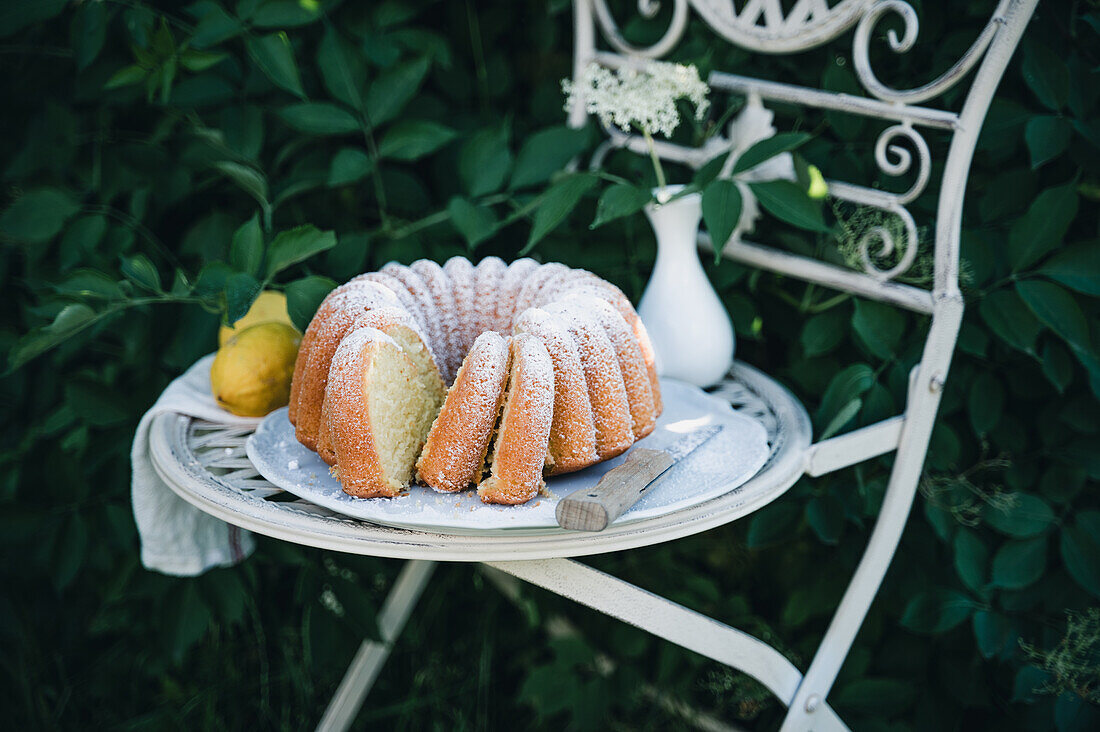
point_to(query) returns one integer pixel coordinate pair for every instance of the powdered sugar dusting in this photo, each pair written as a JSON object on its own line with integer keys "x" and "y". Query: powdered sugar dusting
{"x": 461, "y": 274}
{"x": 635, "y": 378}
{"x": 460, "y": 437}
{"x": 573, "y": 430}
{"x": 610, "y": 408}
{"x": 535, "y": 282}
{"x": 511, "y": 284}
{"x": 488, "y": 276}
{"x": 521, "y": 444}
{"x": 446, "y": 311}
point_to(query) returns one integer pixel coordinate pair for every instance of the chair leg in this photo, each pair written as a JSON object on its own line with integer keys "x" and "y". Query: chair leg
{"x": 372, "y": 654}
{"x": 923, "y": 402}
{"x": 670, "y": 621}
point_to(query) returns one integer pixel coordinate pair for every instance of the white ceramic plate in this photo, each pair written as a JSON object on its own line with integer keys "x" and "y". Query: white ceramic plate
{"x": 720, "y": 465}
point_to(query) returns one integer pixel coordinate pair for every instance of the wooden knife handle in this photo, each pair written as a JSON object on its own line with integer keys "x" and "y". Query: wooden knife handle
{"x": 593, "y": 509}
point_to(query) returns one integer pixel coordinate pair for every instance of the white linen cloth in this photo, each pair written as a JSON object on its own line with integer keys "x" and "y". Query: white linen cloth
{"x": 176, "y": 537}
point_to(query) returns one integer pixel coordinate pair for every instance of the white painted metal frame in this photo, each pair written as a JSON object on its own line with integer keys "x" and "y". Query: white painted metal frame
{"x": 763, "y": 26}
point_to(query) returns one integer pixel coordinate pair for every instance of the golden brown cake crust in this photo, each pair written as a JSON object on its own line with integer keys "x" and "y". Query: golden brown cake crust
{"x": 347, "y": 305}
{"x": 459, "y": 439}
{"x": 572, "y": 443}
{"x": 524, "y": 432}
{"x": 606, "y": 390}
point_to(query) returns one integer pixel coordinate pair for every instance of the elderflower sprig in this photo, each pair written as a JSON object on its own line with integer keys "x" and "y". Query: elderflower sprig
{"x": 642, "y": 97}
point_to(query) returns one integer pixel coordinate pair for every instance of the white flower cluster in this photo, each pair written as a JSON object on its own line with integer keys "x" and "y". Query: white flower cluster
{"x": 642, "y": 97}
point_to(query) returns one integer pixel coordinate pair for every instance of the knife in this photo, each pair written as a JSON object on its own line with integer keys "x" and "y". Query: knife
{"x": 593, "y": 509}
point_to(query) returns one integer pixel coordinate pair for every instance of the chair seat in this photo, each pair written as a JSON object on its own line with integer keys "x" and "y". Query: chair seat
{"x": 205, "y": 463}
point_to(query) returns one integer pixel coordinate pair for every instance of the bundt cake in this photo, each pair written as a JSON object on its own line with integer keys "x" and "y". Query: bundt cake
{"x": 550, "y": 371}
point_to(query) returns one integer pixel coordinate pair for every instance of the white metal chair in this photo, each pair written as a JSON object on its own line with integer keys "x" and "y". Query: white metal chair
{"x": 763, "y": 26}
{"x": 206, "y": 465}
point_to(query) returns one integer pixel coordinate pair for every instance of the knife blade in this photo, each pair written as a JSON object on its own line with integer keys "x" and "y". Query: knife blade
{"x": 593, "y": 509}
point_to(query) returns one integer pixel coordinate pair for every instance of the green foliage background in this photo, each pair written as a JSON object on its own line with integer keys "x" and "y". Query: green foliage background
{"x": 162, "y": 162}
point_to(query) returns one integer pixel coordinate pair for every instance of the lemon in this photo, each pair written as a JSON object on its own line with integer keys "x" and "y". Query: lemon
{"x": 252, "y": 372}
{"x": 269, "y": 307}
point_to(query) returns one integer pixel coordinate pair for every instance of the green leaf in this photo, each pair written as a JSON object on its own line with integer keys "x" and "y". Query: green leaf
{"x": 1010, "y": 319}
{"x": 1041, "y": 229}
{"x": 844, "y": 388}
{"x": 198, "y": 61}
{"x": 1076, "y": 267}
{"x": 37, "y": 216}
{"x": 241, "y": 290}
{"x": 185, "y": 619}
{"x": 843, "y": 416}
{"x": 1045, "y": 72}
{"x": 1047, "y": 138}
{"x": 823, "y": 332}
{"x": 342, "y": 70}
{"x": 1057, "y": 310}
{"x": 825, "y": 514}
{"x": 90, "y": 283}
{"x": 768, "y": 148}
{"x": 413, "y": 139}
{"x": 214, "y": 26}
{"x": 1024, "y": 515}
{"x": 349, "y": 165}
{"x": 296, "y": 245}
{"x": 545, "y": 153}
{"x": 304, "y": 296}
{"x": 275, "y": 57}
{"x": 880, "y": 327}
{"x": 772, "y": 523}
{"x": 1018, "y": 564}
{"x": 1057, "y": 365}
{"x": 475, "y": 223}
{"x": 991, "y": 631}
{"x": 14, "y": 17}
{"x": 285, "y": 14}
{"x": 89, "y": 30}
{"x": 709, "y": 171}
{"x": 126, "y": 76}
{"x": 391, "y": 91}
{"x": 1028, "y": 684}
{"x": 985, "y": 402}
{"x": 246, "y": 253}
{"x": 319, "y": 118}
{"x": 1081, "y": 553}
{"x": 971, "y": 559}
{"x": 212, "y": 278}
{"x": 620, "y": 200}
{"x": 878, "y": 698}
{"x": 557, "y": 203}
{"x": 248, "y": 178}
{"x": 936, "y": 611}
{"x": 484, "y": 161}
{"x": 139, "y": 270}
{"x": 788, "y": 202}
{"x": 71, "y": 320}
{"x": 721, "y": 211}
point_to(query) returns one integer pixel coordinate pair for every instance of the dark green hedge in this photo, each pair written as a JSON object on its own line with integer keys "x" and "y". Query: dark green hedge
{"x": 150, "y": 150}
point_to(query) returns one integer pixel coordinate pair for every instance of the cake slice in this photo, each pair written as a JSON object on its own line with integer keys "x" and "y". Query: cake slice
{"x": 524, "y": 432}
{"x": 400, "y": 326}
{"x": 454, "y": 455}
{"x": 379, "y": 414}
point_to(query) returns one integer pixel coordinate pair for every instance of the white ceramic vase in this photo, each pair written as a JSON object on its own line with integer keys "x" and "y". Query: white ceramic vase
{"x": 690, "y": 328}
